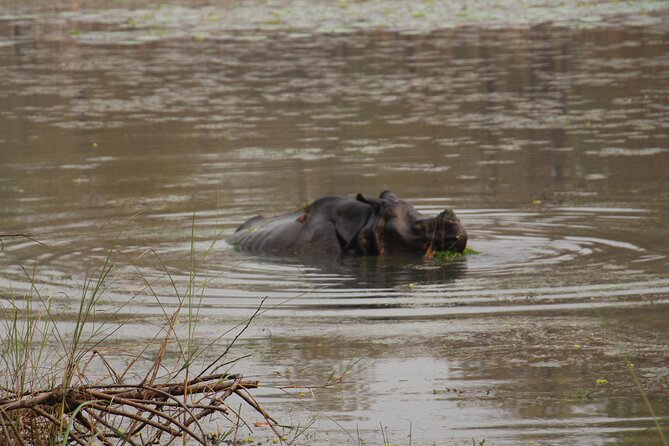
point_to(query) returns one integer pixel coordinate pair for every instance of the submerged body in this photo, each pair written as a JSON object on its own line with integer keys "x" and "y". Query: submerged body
{"x": 336, "y": 226}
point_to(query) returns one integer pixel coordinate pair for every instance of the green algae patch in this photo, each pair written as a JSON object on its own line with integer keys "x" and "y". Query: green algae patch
{"x": 452, "y": 255}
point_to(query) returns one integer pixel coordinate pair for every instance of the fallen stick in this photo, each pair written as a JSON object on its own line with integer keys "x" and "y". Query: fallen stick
{"x": 100, "y": 412}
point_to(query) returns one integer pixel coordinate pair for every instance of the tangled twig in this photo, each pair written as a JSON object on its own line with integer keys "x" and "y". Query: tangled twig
{"x": 105, "y": 413}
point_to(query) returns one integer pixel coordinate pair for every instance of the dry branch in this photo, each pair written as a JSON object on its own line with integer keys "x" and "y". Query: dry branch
{"x": 122, "y": 413}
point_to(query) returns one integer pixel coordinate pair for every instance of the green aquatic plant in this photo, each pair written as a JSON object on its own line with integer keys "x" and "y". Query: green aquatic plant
{"x": 452, "y": 255}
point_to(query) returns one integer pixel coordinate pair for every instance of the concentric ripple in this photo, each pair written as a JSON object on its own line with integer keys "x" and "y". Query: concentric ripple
{"x": 528, "y": 260}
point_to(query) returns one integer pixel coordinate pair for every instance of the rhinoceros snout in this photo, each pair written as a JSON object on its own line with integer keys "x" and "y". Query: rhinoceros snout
{"x": 449, "y": 234}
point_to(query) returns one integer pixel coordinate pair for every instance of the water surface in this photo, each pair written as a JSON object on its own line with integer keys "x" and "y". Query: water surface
{"x": 172, "y": 125}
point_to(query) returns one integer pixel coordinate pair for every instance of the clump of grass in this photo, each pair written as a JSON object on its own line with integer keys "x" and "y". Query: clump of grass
{"x": 452, "y": 255}
{"x": 58, "y": 388}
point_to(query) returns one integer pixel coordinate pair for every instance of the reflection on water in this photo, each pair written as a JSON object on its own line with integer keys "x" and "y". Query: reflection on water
{"x": 550, "y": 142}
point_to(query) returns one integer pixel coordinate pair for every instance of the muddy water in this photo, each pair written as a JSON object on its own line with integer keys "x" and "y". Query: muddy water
{"x": 166, "y": 126}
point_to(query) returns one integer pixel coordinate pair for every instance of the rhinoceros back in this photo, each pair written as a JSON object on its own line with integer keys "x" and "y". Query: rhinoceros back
{"x": 270, "y": 235}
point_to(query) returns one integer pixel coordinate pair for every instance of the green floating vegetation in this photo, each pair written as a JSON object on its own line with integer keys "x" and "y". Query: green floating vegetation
{"x": 451, "y": 255}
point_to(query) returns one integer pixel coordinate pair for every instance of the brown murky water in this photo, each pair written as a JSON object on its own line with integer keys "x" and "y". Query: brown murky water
{"x": 550, "y": 140}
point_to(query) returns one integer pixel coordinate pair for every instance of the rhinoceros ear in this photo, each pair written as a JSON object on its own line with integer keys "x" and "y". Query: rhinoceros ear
{"x": 376, "y": 203}
{"x": 388, "y": 195}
